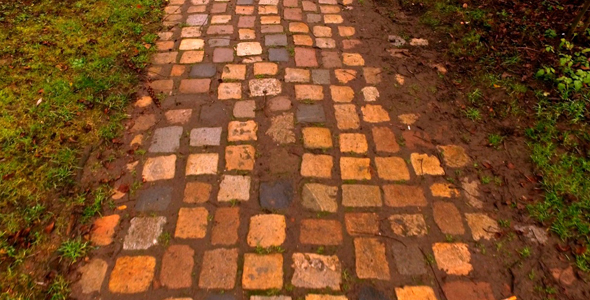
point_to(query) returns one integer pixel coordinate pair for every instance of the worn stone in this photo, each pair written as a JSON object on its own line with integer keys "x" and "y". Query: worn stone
{"x": 471, "y": 191}
{"x": 205, "y": 136}
{"x": 341, "y": 93}
{"x": 317, "y": 138}
{"x": 320, "y": 232}
{"x": 191, "y": 44}
{"x": 425, "y": 164}
{"x": 371, "y": 262}
{"x": 302, "y": 40}
{"x": 392, "y": 168}
{"x": 262, "y": 272}
{"x": 353, "y": 168}
{"x": 313, "y": 113}
{"x": 177, "y": 267}
{"x": 196, "y": 192}
{"x": 220, "y": 30}
{"x": 248, "y": 48}
{"x": 298, "y": 27}
{"x": 266, "y": 231}
{"x": 132, "y": 274}
{"x": 264, "y": 87}
{"x": 353, "y": 142}
{"x": 297, "y": 75}
{"x": 197, "y": 19}
{"x": 408, "y": 119}
{"x": 454, "y": 156}
{"x": 103, "y": 230}
{"x": 155, "y": 198}
{"x": 409, "y": 260}
{"x": 408, "y": 225}
{"x": 453, "y": 258}
{"x": 319, "y": 165}
{"x": 272, "y": 40}
{"x": 234, "y": 187}
{"x": 191, "y": 57}
{"x": 242, "y": 131}
{"x": 447, "y": 217}
{"x": 276, "y": 195}
{"x": 279, "y": 103}
{"x": 281, "y": 129}
{"x": 234, "y": 72}
{"x": 314, "y": 18}
{"x": 333, "y": 19}
{"x": 203, "y": 70}
{"x": 482, "y": 226}
{"x": 229, "y": 90}
{"x": 370, "y": 293}
{"x": 165, "y": 58}
{"x": 166, "y": 139}
{"x": 314, "y": 271}
{"x": 358, "y": 195}
{"x": 462, "y": 290}
{"x": 346, "y": 116}
{"x": 92, "y": 276}
{"x": 219, "y": 270}
{"x": 246, "y": 34}
{"x": 271, "y": 20}
{"x": 225, "y": 226}
{"x": 221, "y": 55}
{"x": 322, "y": 31}
{"x": 194, "y": 86}
{"x": 245, "y": 109}
{"x": 278, "y": 54}
{"x": 192, "y": 223}
{"x": 444, "y": 190}
{"x": 319, "y": 197}
{"x": 239, "y": 157}
{"x": 309, "y": 92}
{"x": 143, "y": 123}
{"x": 331, "y": 59}
{"x": 415, "y": 292}
{"x": 374, "y": 114}
{"x": 362, "y": 223}
{"x": 370, "y": 93}
{"x": 305, "y": 57}
{"x": 265, "y": 68}
{"x": 320, "y": 76}
{"x": 159, "y": 168}
{"x": 220, "y": 19}
{"x": 178, "y": 116}
{"x": 325, "y": 43}
{"x": 191, "y": 31}
{"x": 143, "y": 232}
{"x": 345, "y": 75}
{"x": 202, "y": 163}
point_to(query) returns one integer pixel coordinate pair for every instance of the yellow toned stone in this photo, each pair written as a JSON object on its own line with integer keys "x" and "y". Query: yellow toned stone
{"x": 191, "y": 57}
{"x": 244, "y": 10}
{"x": 316, "y": 165}
{"x": 132, "y": 274}
{"x": 374, "y": 114}
{"x": 239, "y": 157}
{"x": 392, "y": 168}
{"x": 268, "y": 20}
{"x": 317, "y": 138}
{"x": 265, "y": 68}
{"x": 298, "y": 27}
{"x": 248, "y": 48}
{"x": 191, "y": 44}
{"x": 415, "y": 293}
{"x": 202, "y": 163}
{"x": 309, "y": 92}
{"x": 353, "y": 59}
{"x": 144, "y": 101}
{"x": 353, "y": 142}
{"x": 266, "y": 231}
{"x": 322, "y": 31}
{"x": 329, "y": 9}
{"x": 220, "y": 19}
{"x": 371, "y": 260}
{"x": 353, "y": 168}
{"x": 453, "y": 258}
{"x": 345, "y": 75}
{"x": 341, "y": 93}
{"x": 445, "y": 190}
{"x": 159, "y": 168}
{"x": 372, "y": 75}
{"x": 346, "y": 116}
{"x": 346, "y": 31}
{"x": 302, "y": 40}
{"x": 454, "y": 156}
{"x": 400, "y": 79}
{"x": 482, "y": 226}
{"x": 234, "y": 72}
{"x": 333, "y": 19}
{"x": 262, "y": 272}
{"x": 247, "y": 34}
{"x": 268, "y": 10}
{"x": 137, "y": 140}
{"x": 408, "y": 225}
{"x": 229, "y": 90}
{"x": 425, "y": 164}
{"x": 297, "y": 75}
{"x": 192, "y": 223}
{"x": 238, "y": 131}
{"x": 408, "y": 119}
{"x": 324, "y": 297}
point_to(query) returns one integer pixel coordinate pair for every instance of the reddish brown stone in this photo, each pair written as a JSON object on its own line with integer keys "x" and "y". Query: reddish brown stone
{"x": 225, "y": 226}
{"x": 132, "y": 274}
{"x": 177, "y": 267}
{"x": 103, "y": 230}
{"x": 197, "y": 192}
{"x": 447, "y": 217}
{"x": 305, "y": 57}
{"x": 220, "y": 269}
{"x": 397, "y": 195}
{"x": 384, "y": 140}
{"x": 293, "y": 14}
{"x": 415, "y": 139}
{"x": 463, "y": 290}
{"x": 194, "y": 86}
{"x": 361, "y": 223}
{"x": 320, "y": 232}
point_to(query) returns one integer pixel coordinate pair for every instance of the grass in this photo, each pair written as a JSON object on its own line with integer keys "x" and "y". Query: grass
{"x": 67, "y": 71}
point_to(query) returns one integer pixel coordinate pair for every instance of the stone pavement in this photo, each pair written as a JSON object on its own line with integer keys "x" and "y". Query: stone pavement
{"x": 270, "y": 170}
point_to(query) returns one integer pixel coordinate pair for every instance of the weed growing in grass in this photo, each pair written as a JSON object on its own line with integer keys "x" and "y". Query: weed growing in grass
{"x": 472, "y": 113}
{"x": 73, "y": 250}
{"x": 495, "y": 140}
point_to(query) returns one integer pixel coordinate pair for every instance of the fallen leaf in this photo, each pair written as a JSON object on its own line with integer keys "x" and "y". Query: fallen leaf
{"x": 122, "y": 207}
{"x": 49, "y": 228}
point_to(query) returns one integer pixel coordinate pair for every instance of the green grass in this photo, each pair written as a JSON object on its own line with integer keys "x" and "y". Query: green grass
{"x": 67, "y": 71}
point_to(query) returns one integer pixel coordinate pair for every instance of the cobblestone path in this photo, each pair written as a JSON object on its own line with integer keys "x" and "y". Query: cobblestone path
{"x": 272, "y": 171}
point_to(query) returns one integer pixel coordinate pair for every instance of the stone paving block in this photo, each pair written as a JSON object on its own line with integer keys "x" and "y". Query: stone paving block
{"x": 178, "y": 70}
{"x": 345, "y": 75}
{"x": 325, "y": 43}
{"x": 271, "y": 40}
{"x": 281, "y": 129}
{"x": 461, "y": 290}
{"x": 191, "y": 57}
{"x": 298, "y": 27}
{"x": 454, "y": 156}
{"x": 225, "y": 226}
{"x": 264, "y": 87}
{"x": 341, "y": 93}
{"x": 374, "y": 114}
{"x": 353, "y": 59}
{"x": 202, "y": 164}
{"x": 415, "y": 293}
{"x": 246, "y": 22}
{"x": 196, "y": 192}
{"x": 270, "y": 20}
{"x": 384, "y": 140}
{"x": 268, "y": 2}
{"x": 309, "y": 6}
{"x": 276, "y": 195}
{"x": 302, "y": 40}
{"x": 234, "y": 72}
{"x": 346, "y": 31}
{"x": 265, "y": 68}
{"x": 324, "y": 297}
{"x": 322, "y": 31}
{"x": 205, "y": 136}
{"x": 144, "y": 122}
{"x": 353, "y": 142}
{"x": 408, "y": 225}
{"x": 234, "y": 187}
{"x": 359, "y": 195}
{"x": 293, "y": 14}
{"x": 103, "y": 230}
{"x": 217, "y": 8}
{"x": 166, "y": 139}
{"x": 329, "y": 9}
{"x": 162, "y": 86}
{"x": 333, "y": 19}
{"x": 268, "y": 10}
{"x": 370, "y": 93}
{"x": 314, "y": 271}
{"x": 453, "y": 258}
{"x": 444, "y": 190}
{"x": 362, "y": 223}
{"x": 372, "y": 75}
{"x": 178, "y": 116}
{"x": 267, "y": 230}
{"x": 471, "y": 189}
{"x": 297, "y": 75}
{"x": 214, "y": 115}
{"x": 159, "y": 168}
{"x": 320, "y": 76}
{"x": 371, "y": 262}
{"x": 425, "y": 164}
{"x": 221, "y": 55}
{"x": 248, "y": 48}
{"x": 305, "y": 57}
{"x": 310, "y": 113}
{"x": 309, "y": 92}
{"x": 194, "y": 86}
{"x": 132, "y": 274}
{"x": 229, "y": 90}
{"x": 368, "y": 292}
{"x": 320, "y": 232}
{"x": 191, "y": 44}
{"x": 319, "y": 197}
{"x": 409, "y": 260}
{"x": 177, "y": 267}
{"x": 245, "y": 2}
{"x": 392, "y": 168}
{"x": 239, "y": 157}
{"x": 219, "y": 270}
{"x": 317, "y": 138}
{"x": 192, "y": 223}
{"x": 203, "y": 70}
{"x": 165, "y": 45}
{"x": 143, "y": 232}
{"x": 220, "y": 19}
{"x": 319, "y": 165}
{"x": 92, "y": 276}
{"x": 245, "y": 109}
{"x": 482, "y": 226}
{"x": 278, "y": 54}
{"x": 314, "y": 18}
{"x": 242, "y": 131}
{"x": 156, "y": 198}
{"x": 353, "y": 168}
{"x": 279, "y": 103}
{"x": 189, "y": 32}
{"x": 220, "y": 29}
{"x": 447, "y": 217}
{"x": 397, "y": 195}
{"x": 346, "y": 116}
{"x": 164, "y": 58}
{"x": 197, "y": 20}
{"x": 262, "y": 272}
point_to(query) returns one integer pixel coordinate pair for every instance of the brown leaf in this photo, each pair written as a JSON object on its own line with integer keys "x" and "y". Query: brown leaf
{"x": 49, "y": 228}
{"x": 487, "y": 165}
{"x": 510, "y": 165}
{"x": 561, "y": 248}
{"x": 124, "y": 188}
